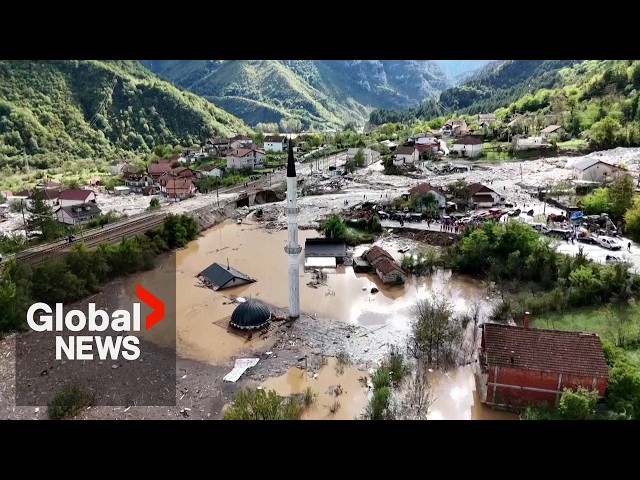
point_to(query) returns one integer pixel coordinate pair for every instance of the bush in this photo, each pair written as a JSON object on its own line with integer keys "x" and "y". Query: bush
{"x": 260, "y": 405}
{"x": 68, "y": 402}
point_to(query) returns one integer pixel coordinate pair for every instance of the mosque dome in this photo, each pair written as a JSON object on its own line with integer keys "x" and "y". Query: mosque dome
{"x": 250, "y": 315}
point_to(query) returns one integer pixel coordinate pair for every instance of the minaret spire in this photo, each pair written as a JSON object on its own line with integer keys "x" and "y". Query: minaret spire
{"x": 293, "y": 249}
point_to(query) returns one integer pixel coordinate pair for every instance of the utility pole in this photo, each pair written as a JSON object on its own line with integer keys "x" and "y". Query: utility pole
{"x": 521, "y": 171}
{"x": 24, "y": 221}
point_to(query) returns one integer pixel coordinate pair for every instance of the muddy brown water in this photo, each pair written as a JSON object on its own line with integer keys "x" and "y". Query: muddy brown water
{"x": 260, "y": 254}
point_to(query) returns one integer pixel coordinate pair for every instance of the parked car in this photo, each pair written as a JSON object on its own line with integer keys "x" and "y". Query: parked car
{"x": 587, "y": 239}
{"x": 609, "y": 242}
{"x": 539, "y": 227}
{"x": 558, "y": 232}
{"x": 612, "y": 259}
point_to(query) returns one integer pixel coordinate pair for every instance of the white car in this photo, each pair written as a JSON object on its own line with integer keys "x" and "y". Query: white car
{"x": 610, "y": 243}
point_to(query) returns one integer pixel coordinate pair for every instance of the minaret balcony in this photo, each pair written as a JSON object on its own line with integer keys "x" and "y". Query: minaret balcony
{"x": 293, "y": 250}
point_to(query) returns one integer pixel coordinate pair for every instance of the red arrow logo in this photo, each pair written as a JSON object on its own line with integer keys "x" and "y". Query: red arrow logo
{"x": 152, "y": 301}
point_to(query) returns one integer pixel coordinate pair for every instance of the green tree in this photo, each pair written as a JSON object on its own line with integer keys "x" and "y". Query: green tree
{"x": 359, "y": 158}
{"x": 632, "y": 220}
{"x": 605, "y": 133}
{"x": 350, "y": 166}
{"x": 621, "y": 192}
{"x": 334, "y": 227}
{"x": 597, "y": 202}
{"x": 260, "y": 405}
{"x": 579, "y": 404}
{"x": 41, "y": 217}
{"x": 154, "y": 204}
{"x": 459, "y": 189}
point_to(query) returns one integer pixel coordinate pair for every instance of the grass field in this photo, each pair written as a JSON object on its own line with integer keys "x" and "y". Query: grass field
{"x": 597, "y": 320}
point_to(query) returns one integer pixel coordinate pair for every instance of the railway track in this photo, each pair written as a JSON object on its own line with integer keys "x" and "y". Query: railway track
{"x": 113, "y": 234}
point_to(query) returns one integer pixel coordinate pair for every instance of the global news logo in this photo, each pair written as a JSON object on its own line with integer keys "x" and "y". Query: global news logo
{"x": 41, "y": 317}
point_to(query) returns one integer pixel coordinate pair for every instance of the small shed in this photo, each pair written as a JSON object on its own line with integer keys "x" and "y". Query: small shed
{"x": 250, "y": 315}
{"x": 121, "y": 190}
{"x": 361, "y": 265}
{"x": 220, "y": 277}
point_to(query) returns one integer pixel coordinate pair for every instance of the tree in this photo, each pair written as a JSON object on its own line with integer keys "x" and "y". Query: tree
{"x": 418, "y": 397}
{"x": 632, "y": 221}
{"x": 579, "y": 404}
{"x": 459, "y": 189}
{"x": 350, "y": 166}
{"x": 41, "y": 216}
{"x": 359, "y": 158}
{"x": 334, "y": 227}
{"x": 605, "y": 133}
{"x": 435, "y": 334}
{"x": 597, "y": 202}
{"x": 154, "y": 204}
{"x": 621, "y": 192}
{"x": 260, "y": 405}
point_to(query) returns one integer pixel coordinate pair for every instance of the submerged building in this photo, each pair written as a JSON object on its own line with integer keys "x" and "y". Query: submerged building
{"x": 250, "y": 315}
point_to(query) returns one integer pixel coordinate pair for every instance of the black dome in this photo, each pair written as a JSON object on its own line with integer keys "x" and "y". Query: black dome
{"x": 250, "y": 314}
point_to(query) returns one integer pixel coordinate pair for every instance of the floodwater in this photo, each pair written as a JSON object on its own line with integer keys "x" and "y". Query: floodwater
{"x": 202, "y": 332}
{"x": 455, "y": 398}
{"x": 345, "y": 382}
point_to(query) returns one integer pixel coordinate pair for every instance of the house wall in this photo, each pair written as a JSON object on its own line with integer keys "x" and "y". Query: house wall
{"x": 390, "y": 277}
{"x": 596, "y": 173}
{"x": 511, "y": 386}
{"x": 528, "y": 143}
{"x": 68, "y": 220}
{"x": 442, "y": 200}
{"x": 402, "y": 159}
{"x": 273, "y": 146}
{"x": 467, "y": 150}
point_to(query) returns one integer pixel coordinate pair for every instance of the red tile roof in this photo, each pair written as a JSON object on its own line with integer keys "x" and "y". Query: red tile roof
{"x": 550, "y": 129}
{"x": 475, "y": 188}
{"x": 425, "y": 187}
{"x": 182, "y": 172}
{"x": 375, "y": 253}
{"x": 556, "y": 351}
{"x": 75, "y": 194}
{"x": 158, "y": 168}
{"x": 239, "y": 152}
{"x": 467, "y": 141}
{"x": 405, "y": 150}
{"x": 274, "y": 139}
{"x": 386, "y": 266}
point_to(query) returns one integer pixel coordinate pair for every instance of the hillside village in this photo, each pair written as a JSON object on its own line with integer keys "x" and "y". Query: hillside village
{"x": 475, "y": 265}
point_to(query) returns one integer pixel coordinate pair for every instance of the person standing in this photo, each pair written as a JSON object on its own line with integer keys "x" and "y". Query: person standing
{"x": 629, "y": 246}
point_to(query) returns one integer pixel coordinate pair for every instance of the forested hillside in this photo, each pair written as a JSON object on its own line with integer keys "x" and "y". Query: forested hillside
{"x": 305, "y": 94}
{"x": 97, "y": 109}
{"x": 595, "y": 100}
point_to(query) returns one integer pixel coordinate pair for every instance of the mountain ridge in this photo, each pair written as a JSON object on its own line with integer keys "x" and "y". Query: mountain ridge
{"x": 317, "y": 93}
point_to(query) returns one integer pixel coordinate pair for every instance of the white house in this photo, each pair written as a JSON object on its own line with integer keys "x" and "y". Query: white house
{"x": 482, "y": 196}
{"x": 467, "y": 147}
{"x": 594, "y": 170}
{"x": 210, "y": 170}
{"x": 547, "y": 132}
{"x": 76, "y": 196}
{"x": 76, "y": 214}
{"x": 274, "y": 143}
{"x": 426, "y": 140}
{"x": 370, "y": 156}
{"x": 486, "y": 119}
{"x": 245, "y": 159}
{"x": 405, "y": 156}
{"x": 528, "y": 143}
{"x": 51, "y": 197}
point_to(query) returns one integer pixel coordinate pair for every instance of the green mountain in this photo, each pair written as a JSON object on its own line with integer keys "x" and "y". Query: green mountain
{"x": 596, "y": 100}
{"x": 495, "y": 85}
{"x": 316, "y": 93}
{"x": 460, "y": 70}
{"x": 95, "y": 109}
